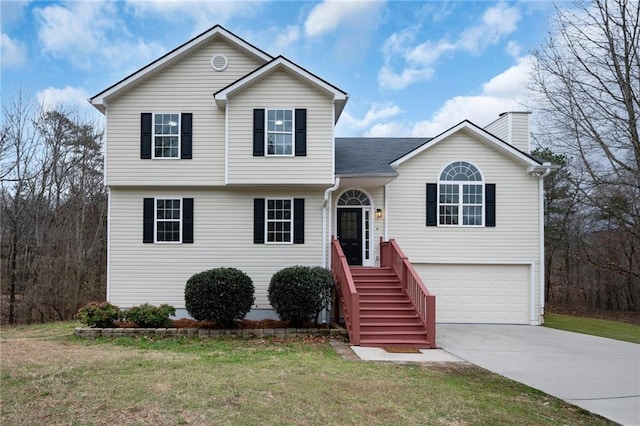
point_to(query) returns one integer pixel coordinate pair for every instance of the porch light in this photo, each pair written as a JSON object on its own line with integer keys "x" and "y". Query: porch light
{"x": 379, "y": 214}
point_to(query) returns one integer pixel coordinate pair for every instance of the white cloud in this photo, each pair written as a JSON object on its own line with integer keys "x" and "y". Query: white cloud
{"x": 331, "y": 14}
{"x": 12, "y": 53}
{"x": 284, "y": 38}
{"x": 350, "y": 125}
{"x": 71, "y": 100}
{"x": 13, "y": 12}
{"x": 391, "y": 129}
{"x": 204, "y": 13}
{"x": 417, "y": 63}
{"x": 514, "y": 48}
{"x": 90, "y": 34}
{"x": 504, "y": 92}
{"x": 68, "y": 97}
{"x": 497, "y": 22}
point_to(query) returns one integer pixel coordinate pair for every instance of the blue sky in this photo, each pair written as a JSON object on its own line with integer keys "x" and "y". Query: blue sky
{"x": 411, "y": 68}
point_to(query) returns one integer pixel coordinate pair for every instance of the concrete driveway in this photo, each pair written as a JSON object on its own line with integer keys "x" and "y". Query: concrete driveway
{"x": 600, "y": 375}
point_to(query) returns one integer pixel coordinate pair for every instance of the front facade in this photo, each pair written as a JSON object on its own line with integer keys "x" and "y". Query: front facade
{"x": 218, "y": 154}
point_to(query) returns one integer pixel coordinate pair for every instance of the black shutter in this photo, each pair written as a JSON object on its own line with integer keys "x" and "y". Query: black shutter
{"x": 186, "y": 121}
{"x": 298, "y": 221}
{"x": 432, "y": 204}
{"x": 258, "y": 220}
{"x": 301, "y": 132}
{"x": 490, "y": 204}
{"x": 187, "y": 220}
{"x": 146, "y": 121}
{"x": 149, "y": 210}
{"x": 258, "y": 133}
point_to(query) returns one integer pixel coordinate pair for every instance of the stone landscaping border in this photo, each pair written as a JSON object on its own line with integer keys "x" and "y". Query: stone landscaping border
{"x": 247, "y": 333}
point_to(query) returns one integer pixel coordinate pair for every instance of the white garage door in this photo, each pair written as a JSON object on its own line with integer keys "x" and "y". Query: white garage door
{"x": 497, "y": 294}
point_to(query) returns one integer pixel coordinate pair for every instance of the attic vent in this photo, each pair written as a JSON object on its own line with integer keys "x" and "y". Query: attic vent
{"x": 219, "y": 62}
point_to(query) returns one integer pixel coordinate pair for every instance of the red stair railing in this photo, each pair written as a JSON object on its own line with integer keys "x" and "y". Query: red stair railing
{"x": 346, "y": 291}
{"x": 425, "y": 303}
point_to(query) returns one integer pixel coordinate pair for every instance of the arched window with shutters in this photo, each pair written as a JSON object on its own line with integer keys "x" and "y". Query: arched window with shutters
{"x": 460, "y": 198}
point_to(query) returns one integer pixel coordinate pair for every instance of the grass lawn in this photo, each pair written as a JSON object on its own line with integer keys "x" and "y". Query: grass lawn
{"x": 596, "y": 327}
{"x": 50, "y": 377}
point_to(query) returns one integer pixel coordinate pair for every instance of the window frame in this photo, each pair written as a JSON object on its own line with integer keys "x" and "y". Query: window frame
{"x": 292, "y": 133}
{"x": 290, "y": 221}
{"x": 156, "y": 220}
{"x": 459, "y": 186}
{"x": 154, "y": 135}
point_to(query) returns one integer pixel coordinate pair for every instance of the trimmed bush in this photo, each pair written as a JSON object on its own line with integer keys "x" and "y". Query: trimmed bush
{"x": 300, "y": 293}
{"x": 98, "y": 314}
{"x": 149, "y": 316}
{"x": 222, "y": 295}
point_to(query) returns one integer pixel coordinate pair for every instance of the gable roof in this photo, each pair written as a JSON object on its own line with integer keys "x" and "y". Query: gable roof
{"x": 479, "y": 134}
{"x": 371, "y": 156}
{"x": 100, "y": 100}
{"x": 281, "y": 63}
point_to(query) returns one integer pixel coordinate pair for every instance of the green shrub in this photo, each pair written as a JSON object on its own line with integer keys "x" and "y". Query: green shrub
{"x": 149, "y": 316}
{"x": 300, "y": 293}
{"x": 98, "y": 314}
{"x": 222, "y": 295}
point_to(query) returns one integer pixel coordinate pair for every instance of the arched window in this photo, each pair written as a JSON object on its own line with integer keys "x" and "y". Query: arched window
{"x": 460, "y": 195}
{"x": 353, "y": 197}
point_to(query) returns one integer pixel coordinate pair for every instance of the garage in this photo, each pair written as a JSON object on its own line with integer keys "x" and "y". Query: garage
{"x": 497, "y": 294}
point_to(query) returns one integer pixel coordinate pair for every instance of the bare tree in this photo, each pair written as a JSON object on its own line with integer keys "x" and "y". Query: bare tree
{"x": 53, "y": 213}
{"x": 586, "y": 83}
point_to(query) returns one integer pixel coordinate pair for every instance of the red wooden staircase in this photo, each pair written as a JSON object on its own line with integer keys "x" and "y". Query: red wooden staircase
{"x": 387, "y": 306}
{"x": 387, "y": 315}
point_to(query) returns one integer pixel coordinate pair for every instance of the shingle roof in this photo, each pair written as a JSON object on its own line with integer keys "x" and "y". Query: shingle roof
{"x": 371, "y": 156}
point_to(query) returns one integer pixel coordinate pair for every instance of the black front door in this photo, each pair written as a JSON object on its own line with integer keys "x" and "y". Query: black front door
{"x": 350, "y": 234}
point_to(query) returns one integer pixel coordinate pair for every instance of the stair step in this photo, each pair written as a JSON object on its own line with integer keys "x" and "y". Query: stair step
{"x": 381, "y": 287}
{"x": 394, "y": 329}
{"x": 401, "y": 343}
{"x": 392, "y": 294}
{"x": 394, "y": 319}
{"x": 369, "y": 302}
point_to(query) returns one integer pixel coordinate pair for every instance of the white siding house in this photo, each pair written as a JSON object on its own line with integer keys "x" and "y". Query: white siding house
{"x": 205, "y": 140}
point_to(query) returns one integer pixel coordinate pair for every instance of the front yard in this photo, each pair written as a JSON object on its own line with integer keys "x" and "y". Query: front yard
{"x": 50, "y": 377}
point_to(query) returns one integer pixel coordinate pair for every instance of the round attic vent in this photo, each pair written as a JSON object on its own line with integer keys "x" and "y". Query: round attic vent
{"x": 219, "y": 62}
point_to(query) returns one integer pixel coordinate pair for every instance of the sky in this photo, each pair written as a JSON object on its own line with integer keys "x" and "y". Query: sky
{"x": 411, "y": 68}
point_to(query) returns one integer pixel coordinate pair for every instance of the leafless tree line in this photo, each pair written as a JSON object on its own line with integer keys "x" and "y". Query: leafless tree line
{"x": 53, "y": 251}
{"x": 586, "y": 85}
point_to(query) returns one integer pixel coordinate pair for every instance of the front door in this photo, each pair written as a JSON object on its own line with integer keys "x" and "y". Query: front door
{"x": 350, "y": 234}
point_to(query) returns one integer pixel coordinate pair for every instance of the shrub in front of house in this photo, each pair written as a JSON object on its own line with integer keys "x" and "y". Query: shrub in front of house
{"x": 223, "y": 295}
{"x": 98, "y": 314}
{"x": 300, "y": 293}
{"x": 149, "y": 316}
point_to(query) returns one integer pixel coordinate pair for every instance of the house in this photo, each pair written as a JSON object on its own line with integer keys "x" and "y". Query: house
{"x": 218, "y": 154}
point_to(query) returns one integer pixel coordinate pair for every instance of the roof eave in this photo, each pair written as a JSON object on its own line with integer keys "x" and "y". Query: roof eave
{"x": 99, "y": 100}
{"x": 339, "y": 96}
{"x": 483, "y": 135}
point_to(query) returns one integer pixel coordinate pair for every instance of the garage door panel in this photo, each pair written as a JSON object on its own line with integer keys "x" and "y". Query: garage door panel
{"x": 479, "y": 293}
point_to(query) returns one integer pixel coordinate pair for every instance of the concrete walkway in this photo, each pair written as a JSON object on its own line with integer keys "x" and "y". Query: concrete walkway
{"x": 597, "y": 374}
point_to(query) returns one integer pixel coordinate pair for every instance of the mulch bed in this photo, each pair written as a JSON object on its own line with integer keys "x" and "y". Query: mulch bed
{"x": 244, "y": 324}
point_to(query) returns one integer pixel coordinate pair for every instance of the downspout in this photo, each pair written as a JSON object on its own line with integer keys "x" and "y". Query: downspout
{"x": 541, "y": 271}
{"x": 327, "y": 198}
{"x": 325, "y": 263}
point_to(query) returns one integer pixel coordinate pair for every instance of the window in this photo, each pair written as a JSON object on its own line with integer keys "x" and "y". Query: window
{"x": 165, "y": 136}
{"x": 279, "y": 132}
{"x": 166, "y": 139}
{"x": 279, "y": 221}
{"x": 460, "y": 195}
{"x": 168, "y": 220}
